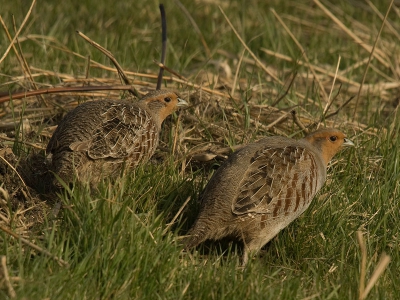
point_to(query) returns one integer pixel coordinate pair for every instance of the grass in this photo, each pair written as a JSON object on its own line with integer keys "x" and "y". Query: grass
{"x": 118, "y": 241}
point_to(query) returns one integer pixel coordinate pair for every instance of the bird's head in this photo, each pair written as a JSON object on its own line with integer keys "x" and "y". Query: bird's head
{"x": 162, "y": 103}
{"x": 329, "y": 141}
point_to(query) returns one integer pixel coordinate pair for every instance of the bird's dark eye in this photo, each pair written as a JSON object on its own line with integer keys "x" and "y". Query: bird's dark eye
{"x": 333, "y": 138}
{"x": 167, "y": 99}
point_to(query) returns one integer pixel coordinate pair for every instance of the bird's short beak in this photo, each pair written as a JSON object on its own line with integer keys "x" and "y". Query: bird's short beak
{"x": 348, "y": 143}
{"x": 182, "y": 103}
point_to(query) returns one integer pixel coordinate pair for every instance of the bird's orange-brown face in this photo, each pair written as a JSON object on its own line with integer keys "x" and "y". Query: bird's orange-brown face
{"x": 329, "y": 141}
{"x": 163, "y": 103}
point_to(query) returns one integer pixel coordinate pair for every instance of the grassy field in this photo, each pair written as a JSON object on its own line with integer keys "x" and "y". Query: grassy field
{"x": 122, "y": 241}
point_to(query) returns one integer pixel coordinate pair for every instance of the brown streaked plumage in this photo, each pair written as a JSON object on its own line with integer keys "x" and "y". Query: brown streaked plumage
{"x": 263, "y": 187}
{"x": 100, "y": 137}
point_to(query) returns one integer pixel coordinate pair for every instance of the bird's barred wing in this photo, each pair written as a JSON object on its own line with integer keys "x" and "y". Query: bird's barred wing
{"x": 126, "y": 131}
{"x": 277, "y": 180}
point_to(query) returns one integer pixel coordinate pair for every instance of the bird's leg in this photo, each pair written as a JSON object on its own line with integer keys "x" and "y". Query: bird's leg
{"x": 250, "y": 248}
{"x": 245, "y": 257}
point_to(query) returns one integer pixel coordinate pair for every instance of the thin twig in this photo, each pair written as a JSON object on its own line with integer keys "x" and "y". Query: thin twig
{"x": 340, "y": 107}
{"x": 36, "y": 247}
{"x": 286, "y": 91}
{"x": 163, "y": 43}
{"x": 164, "y": 67}
{"x": 297, "y": 121}
{"x": 107, "y": 53}
{"x": 18, "y": 32}
{"x": 370, "y": 57}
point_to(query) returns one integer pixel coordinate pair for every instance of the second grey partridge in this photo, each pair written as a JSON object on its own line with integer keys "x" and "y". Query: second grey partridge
{"x": 101, "y": 137}
{"x": 263, "y": 187}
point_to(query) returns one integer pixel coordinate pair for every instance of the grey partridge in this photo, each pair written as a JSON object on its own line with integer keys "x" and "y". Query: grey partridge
{"x": 263, "y": 187}
{"x": 101, "y": 137}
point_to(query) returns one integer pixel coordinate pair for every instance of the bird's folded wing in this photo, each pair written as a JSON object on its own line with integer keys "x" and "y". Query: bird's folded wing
{"x": 120, "y": 134}
{"x": 274, "y": 175}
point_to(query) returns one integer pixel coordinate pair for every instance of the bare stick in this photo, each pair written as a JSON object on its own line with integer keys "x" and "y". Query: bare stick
{"x": 370, "y": 57}
{"x": 107, "y": 53}
{"x": 287, "y": 90}
{"x": 32, "y": 245}
{"x": 164, "y": 44}
{"x": 297, "y": 121}
{"x": 340, "y": 107}
{"x": 19, "y": 31}
{"x": 164, "y": 67}
{"x": 11, "y": 291}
